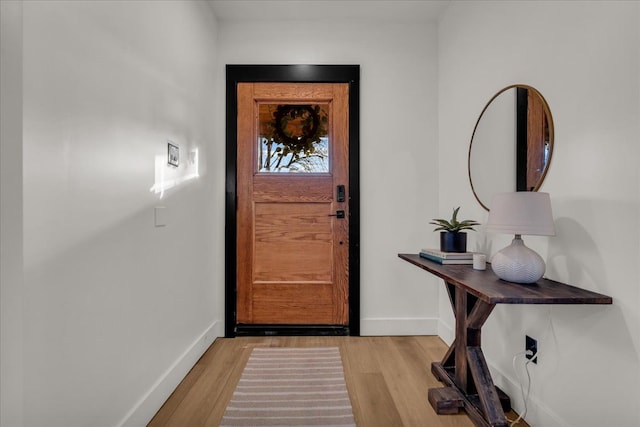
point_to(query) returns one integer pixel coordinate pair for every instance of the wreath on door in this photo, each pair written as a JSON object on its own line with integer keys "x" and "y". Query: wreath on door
{"x": 297, "y": 126}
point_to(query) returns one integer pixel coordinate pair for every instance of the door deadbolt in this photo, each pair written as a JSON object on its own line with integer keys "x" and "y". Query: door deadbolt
{"x": 340, "y": 193}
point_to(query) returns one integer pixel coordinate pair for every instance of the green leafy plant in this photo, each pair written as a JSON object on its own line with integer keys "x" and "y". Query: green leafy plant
{"x": 454, "y": 225}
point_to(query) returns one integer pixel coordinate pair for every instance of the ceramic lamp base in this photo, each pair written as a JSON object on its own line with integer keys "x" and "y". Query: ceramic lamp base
{"x": 517, "y": 263}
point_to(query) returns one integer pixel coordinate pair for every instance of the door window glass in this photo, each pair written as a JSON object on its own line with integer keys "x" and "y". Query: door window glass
{"x": 293, "y": 138}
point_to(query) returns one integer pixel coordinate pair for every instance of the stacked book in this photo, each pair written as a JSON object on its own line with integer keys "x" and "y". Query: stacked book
{"x": 447, "y": 257}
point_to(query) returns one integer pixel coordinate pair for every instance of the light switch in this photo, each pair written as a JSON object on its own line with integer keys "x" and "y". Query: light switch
{"x": 160, "y": 216}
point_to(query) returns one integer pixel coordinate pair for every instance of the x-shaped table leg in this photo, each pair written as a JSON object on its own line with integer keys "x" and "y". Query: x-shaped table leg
{"x": 464, "y": 367}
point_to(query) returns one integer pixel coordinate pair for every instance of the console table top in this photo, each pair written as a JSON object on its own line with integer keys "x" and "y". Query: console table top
{"x": 486, "y": 286}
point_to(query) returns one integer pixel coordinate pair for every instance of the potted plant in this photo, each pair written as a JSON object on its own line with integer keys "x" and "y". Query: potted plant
{"x": 452, "y": 238}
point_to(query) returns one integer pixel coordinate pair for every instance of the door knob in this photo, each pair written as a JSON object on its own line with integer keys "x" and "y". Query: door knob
{"x": 338, "y": 214}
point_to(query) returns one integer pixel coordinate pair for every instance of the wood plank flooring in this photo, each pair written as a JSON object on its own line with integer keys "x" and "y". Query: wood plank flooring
{"x": 387, "y": 378}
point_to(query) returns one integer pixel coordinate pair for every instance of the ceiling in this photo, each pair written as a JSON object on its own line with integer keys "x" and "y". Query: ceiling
{"x": 329, "y": 10}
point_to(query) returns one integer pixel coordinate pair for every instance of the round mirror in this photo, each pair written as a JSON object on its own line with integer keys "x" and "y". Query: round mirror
{"x": 511, "y": 144}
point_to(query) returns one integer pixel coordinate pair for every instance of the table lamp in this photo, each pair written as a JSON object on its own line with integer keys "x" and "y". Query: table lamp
{"x": 520, "y": 213}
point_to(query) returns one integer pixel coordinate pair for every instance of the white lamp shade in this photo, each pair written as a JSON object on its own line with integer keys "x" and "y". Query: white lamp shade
{"x": 522, "y": 212}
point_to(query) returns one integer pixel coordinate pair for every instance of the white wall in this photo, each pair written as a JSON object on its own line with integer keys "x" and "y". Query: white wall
{"x": 115, "y": 310}
{"x": 398, "y": 129}
{"x": 583, "y": 57}
{"x": 11, "y": 275}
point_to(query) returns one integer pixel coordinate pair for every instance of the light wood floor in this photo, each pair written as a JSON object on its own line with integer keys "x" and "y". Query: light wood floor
{"x": 387, "y": 378}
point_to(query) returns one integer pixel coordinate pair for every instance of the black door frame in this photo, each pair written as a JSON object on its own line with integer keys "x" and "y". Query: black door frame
{"x": 292, "y": 74}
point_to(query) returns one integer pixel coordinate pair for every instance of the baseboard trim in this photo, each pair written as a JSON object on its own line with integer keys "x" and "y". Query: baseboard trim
{"x": 144, "y": 410}
{"x": 399, "y": 326}
{"x": 445, "y": 332}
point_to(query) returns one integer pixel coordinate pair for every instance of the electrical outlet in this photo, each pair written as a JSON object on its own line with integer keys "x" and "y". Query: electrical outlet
{"x": 531, "y": 344}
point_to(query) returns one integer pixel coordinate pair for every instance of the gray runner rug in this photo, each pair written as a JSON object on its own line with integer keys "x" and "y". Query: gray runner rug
{"x": 291, "y": 387}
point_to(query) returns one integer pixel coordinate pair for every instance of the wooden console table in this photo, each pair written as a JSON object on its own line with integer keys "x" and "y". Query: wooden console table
{"x": 473, "y": 295}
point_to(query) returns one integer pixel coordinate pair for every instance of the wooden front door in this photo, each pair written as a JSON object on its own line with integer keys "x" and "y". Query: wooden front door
{"x": 292, "y": 204}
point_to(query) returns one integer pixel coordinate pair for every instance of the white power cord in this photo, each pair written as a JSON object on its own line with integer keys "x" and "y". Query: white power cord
{"x": 525, "y": 397}
{"x": 532, "y": 358}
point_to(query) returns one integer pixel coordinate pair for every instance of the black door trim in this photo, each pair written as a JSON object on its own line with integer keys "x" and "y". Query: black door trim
{"x": 304, "y": 74}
